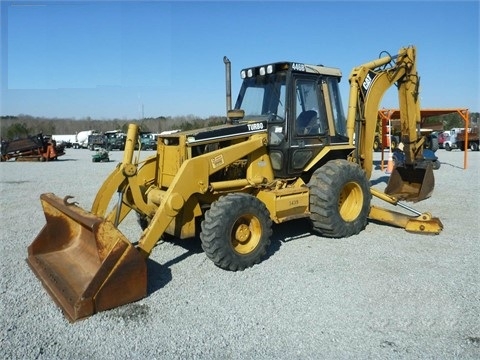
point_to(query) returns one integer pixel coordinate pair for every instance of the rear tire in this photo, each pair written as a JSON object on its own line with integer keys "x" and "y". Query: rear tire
{"x": 339, "y": 199}
{"x": 474, "y": 146}
{"x": 236, "y": 231}
{"x": 447, "y": 147}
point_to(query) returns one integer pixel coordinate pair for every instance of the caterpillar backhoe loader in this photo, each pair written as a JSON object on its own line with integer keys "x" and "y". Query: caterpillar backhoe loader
{"x": 286, "y": 152}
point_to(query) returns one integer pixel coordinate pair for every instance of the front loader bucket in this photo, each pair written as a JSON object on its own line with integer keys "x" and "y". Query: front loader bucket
{"x": 411, "y": 184}
{"x": 84, "y": 262}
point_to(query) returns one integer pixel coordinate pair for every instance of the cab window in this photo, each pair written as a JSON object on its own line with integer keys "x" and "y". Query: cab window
{"x": 309, "y": 108}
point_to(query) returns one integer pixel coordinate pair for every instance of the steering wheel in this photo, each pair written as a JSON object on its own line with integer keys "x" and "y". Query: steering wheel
{"x": 272, "y": 116}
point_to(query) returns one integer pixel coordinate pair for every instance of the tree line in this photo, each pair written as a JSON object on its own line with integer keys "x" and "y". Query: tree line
{"x": 453, "y": 120}
{"x": 21, "y": 126}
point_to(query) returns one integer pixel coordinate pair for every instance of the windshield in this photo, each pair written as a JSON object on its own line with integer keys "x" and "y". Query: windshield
{"x": 263, "y": 96}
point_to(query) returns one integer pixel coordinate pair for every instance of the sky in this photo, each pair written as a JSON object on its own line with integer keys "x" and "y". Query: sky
{"x": 134, "y": 59}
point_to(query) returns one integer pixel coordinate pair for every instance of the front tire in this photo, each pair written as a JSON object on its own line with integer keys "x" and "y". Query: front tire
{"x": 339, "y": 199}
{"x": 236, "y": 231}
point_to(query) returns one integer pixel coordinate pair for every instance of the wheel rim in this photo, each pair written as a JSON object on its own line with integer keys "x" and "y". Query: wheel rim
{"x": 350, "y": 201}
{"x": 246, "y": 234}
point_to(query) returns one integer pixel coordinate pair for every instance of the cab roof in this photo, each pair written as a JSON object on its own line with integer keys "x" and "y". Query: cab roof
{"x": 292, "y": 66}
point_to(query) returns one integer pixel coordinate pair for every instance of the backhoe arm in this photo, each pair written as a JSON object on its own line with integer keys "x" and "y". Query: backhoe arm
{"x": 422, "y": 223}
{"x": 368, "y": 84}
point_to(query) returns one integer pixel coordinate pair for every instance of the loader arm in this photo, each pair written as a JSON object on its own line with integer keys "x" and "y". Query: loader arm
{"x": 118, "y": 178}
{"x": 191, "y": 178}
{"x": 127, "y": 188}
{"x": 126, "y": 178}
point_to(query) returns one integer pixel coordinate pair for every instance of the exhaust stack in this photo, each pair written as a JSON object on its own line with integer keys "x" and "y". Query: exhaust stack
{"x": 228, "y": 82}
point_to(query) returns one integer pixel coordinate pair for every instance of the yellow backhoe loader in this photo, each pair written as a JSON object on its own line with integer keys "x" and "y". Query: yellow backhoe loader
{"x": 286, "y": 152}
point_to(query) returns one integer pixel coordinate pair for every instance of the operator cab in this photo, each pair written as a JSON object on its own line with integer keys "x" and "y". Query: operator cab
{"x": 301, "y": 106}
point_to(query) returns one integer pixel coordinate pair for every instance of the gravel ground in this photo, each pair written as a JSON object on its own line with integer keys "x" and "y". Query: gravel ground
{"x": 382, "y": 294}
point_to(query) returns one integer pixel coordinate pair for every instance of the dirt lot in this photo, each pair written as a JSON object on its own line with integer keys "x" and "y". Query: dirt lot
{"x": 382, "y": 294}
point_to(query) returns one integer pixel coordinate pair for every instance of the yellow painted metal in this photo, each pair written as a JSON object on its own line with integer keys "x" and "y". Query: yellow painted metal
{"x": 117, "y": 177}
{"x": 337, "y": 148}
{"x": 183, "y": 224}
{"x": 197, "y": 170}
{"x": 230, "y": 185}
{"x": 350, "y": 201}
{"x": 422, "y": 224}
{"x": 368, "y": 84}
{"x": 367, "y": 79}
{"x": 259, "y": 165}
{"x": 286, "y": 203}
{"x": 246, "y": 234}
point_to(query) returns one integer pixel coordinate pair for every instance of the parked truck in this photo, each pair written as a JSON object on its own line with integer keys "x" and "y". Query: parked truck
{"x": 115, "y": 139}
{"x": 442, "y": 137}
{"x": 97, "y": 141}
{"x": 81, "y": 139}
{"x": 65, "y": 139}
{"x": 457, "y": 138}
{"x": 148, "y": 140}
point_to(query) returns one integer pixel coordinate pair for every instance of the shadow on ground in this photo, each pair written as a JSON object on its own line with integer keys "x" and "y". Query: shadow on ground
{"x": 158, "y": 275}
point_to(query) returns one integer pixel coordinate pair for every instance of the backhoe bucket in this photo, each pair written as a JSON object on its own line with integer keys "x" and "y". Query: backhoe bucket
{"x": 411, "y": 184}
{"x": 84, "y": 262}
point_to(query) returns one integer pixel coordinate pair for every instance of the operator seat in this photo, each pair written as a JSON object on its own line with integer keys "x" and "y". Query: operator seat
{"x": 307, "y": 122}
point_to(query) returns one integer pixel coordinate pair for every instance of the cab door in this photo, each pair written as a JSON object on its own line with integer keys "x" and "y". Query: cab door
{"x": 309, "y": 125}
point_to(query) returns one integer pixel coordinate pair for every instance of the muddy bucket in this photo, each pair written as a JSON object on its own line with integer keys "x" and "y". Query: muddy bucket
{"x": 411, "y": 184}
{"x": 84, "y": 262}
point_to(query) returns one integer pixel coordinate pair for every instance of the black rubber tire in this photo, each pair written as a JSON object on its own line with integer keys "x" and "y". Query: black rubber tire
{"x": 236, "y": 231}
{"x": 377, "y": 145}
{"x": 143, "y": 221}
{"x": 394, "y": 142}
{"x": 447, "y": 147}
{"x": 339, "y": 199}
{"x": 433, "y": 143}
{"x": 436, "y": 165}
{"x": 473, "y": 146}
